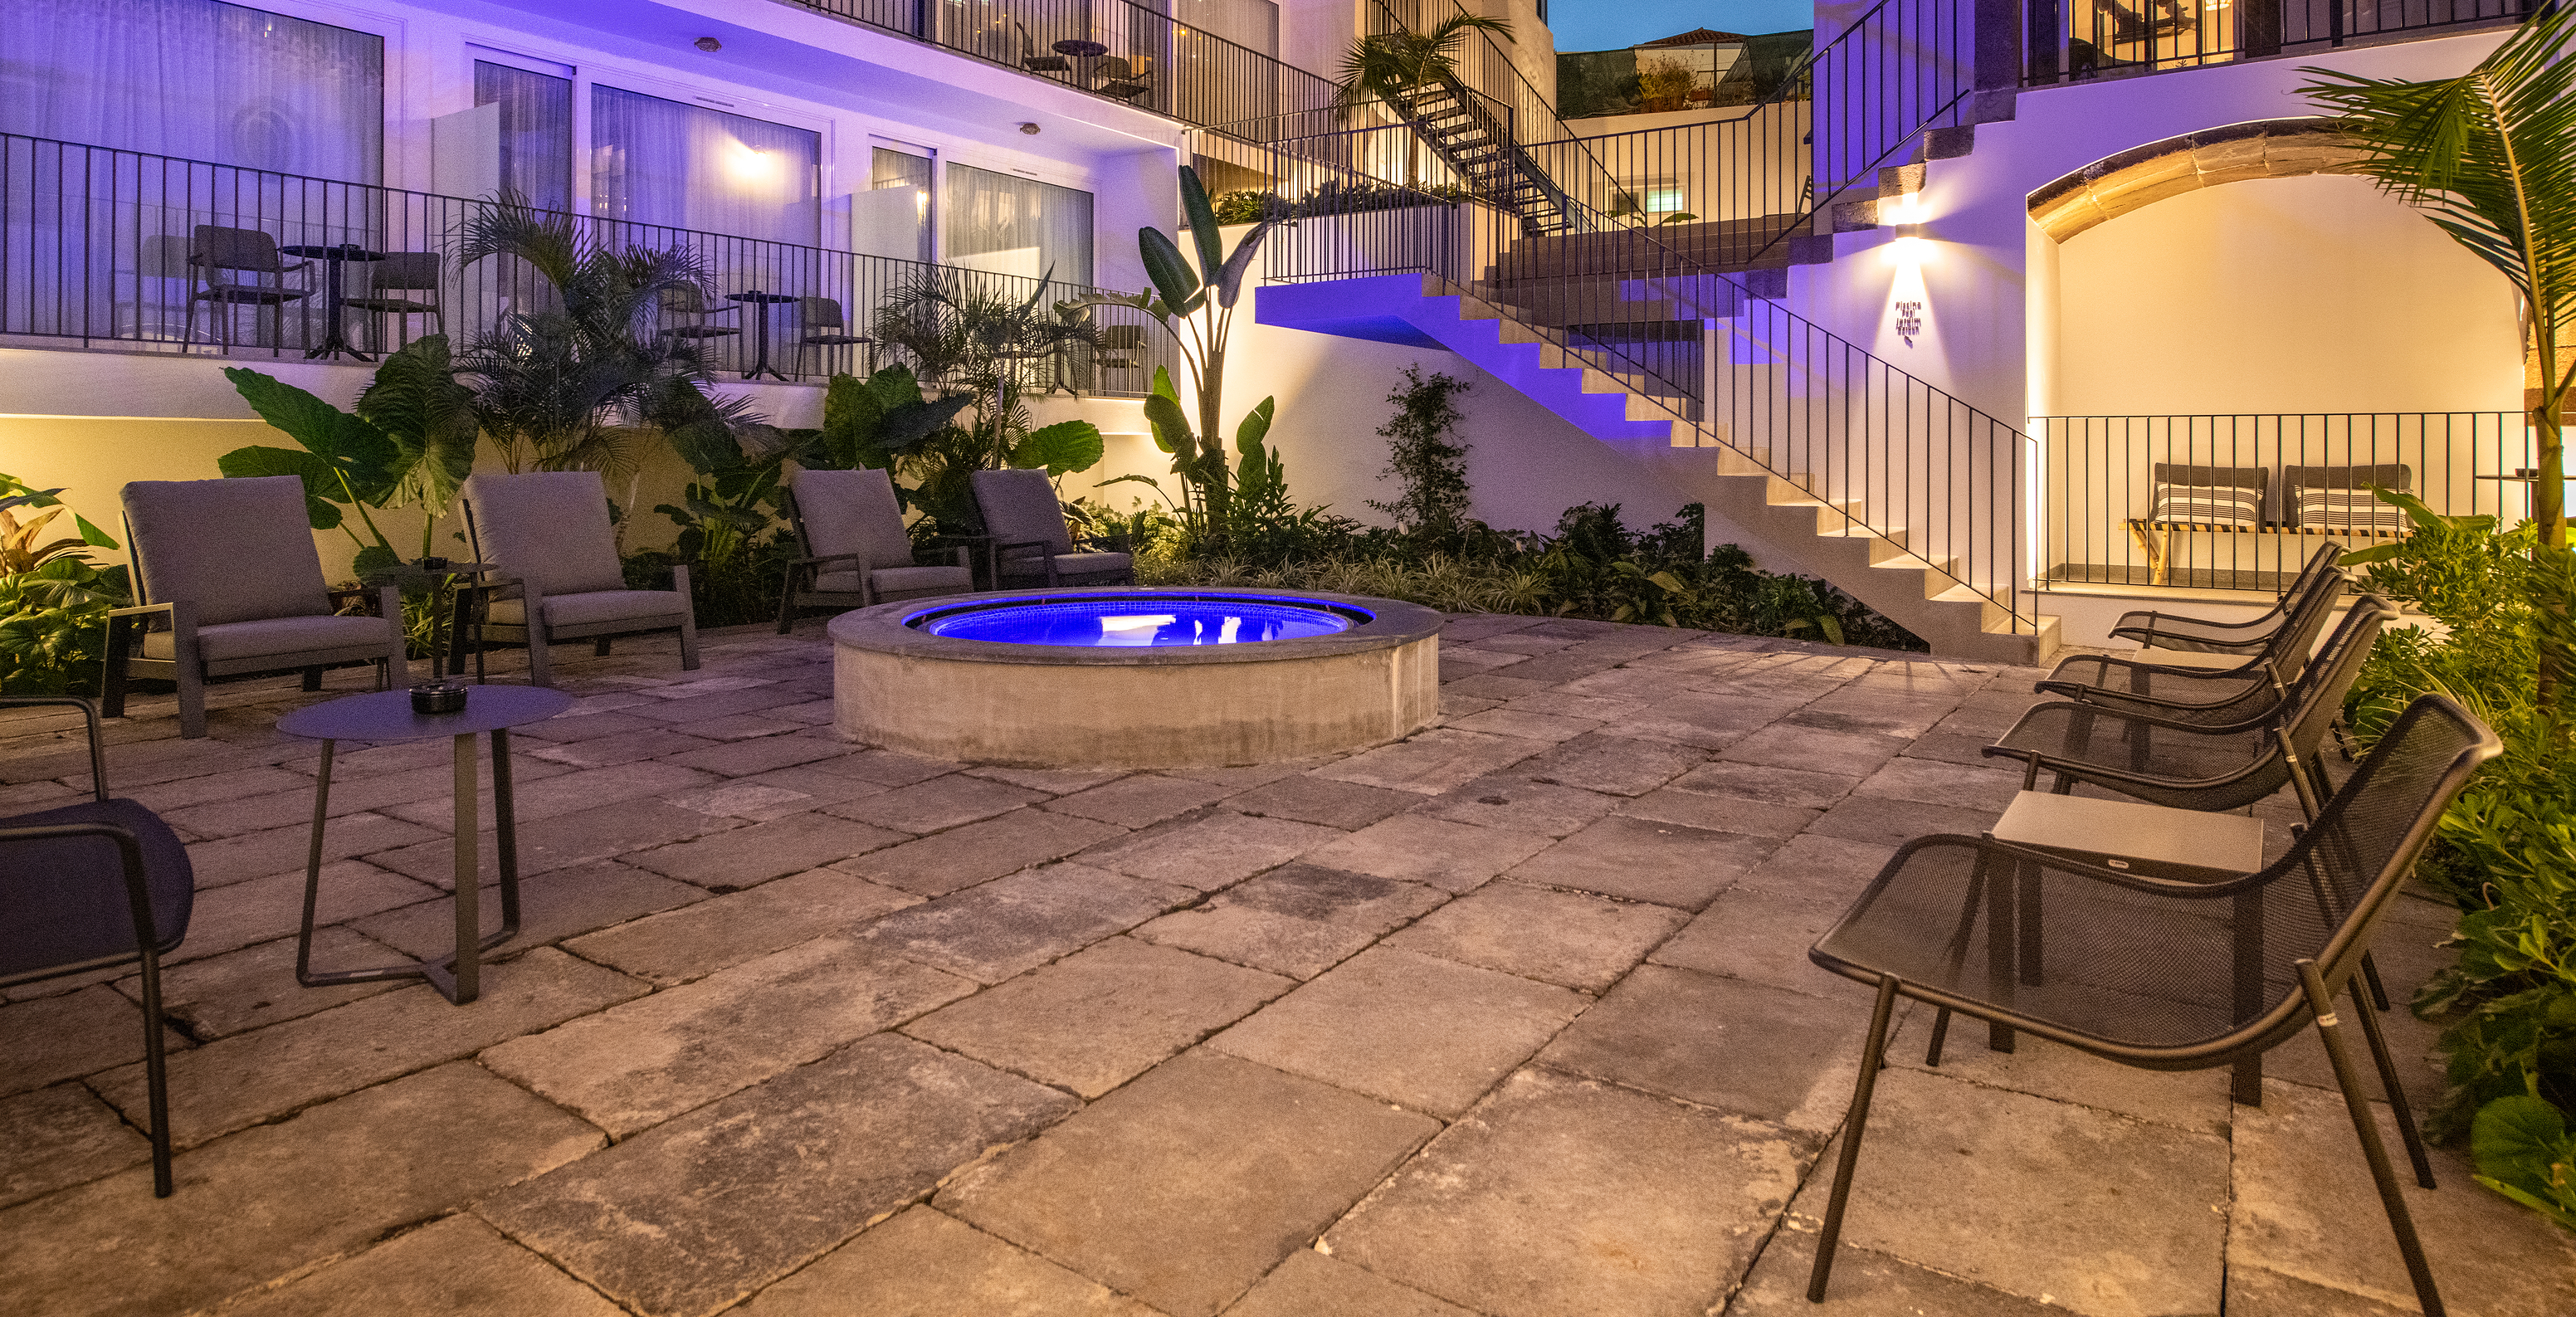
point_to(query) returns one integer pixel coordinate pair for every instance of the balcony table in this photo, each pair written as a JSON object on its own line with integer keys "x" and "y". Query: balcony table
{"x": 386, "y": 717}
{"x": 760, "y": 302}
{"x": 334, "y": 342}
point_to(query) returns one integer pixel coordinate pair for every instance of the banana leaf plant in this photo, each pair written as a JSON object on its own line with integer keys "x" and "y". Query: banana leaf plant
{"x": 1195, "y": 305}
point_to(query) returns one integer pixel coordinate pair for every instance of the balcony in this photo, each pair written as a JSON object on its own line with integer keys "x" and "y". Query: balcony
{"x": 2076, "y": 40}
{"x": 96, "y": 253}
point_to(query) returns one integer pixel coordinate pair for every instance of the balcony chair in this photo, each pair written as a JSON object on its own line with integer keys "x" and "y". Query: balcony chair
{"x": 215, "y": 252}
{"x": 852, "y": 549}
{"x": 2247, "y": 687}
{"x": 1116, "y": 347}
{"x": 819, "y": 325}
{"x": 91, "y": 886}
{"x": 1123, "y": 80}
{"x": 2160, "y": 974}
{"x": 1036, "y": 58}
{"x": 229, "y": 584}
{"x": 561, "y": 580}
{"x": 687, "y": 304}
{"x": 2157, "y": 629}
{"x": 402, "y": 285}
{"x": 1028, "y": 541}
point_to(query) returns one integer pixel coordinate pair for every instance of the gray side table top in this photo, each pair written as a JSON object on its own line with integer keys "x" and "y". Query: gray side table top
{"x": 387, "y": 716}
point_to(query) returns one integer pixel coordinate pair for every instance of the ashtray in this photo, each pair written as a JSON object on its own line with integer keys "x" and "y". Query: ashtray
{"x": 439, "y": 697}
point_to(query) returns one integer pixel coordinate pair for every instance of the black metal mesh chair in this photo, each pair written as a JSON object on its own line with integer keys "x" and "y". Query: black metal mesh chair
{"x": 91, "y": 886}
{"x": 402, "y": 285}
{"x": 2246, "y": 691}
{"x": 2164, "y": 630}
{"x": 229, "y": 266}
{"x": 2166, "y": 975}
{"x": 2203, "y": 760}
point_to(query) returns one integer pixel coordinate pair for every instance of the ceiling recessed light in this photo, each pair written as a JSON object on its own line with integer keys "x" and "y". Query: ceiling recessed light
{"x": 1029, "y": 128}
{"x": 710, "y": 45}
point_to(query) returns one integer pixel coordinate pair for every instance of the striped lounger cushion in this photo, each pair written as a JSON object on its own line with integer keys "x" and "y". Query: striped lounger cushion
{"x": 2348, "y": 509}
{"x": 2207, "y": 505}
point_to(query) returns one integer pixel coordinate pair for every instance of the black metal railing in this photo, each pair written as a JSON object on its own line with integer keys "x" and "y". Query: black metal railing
{"x": 96, "y": 246}
{"x": 1117, "y": 50}
{"x": 2238, "y": 502}
{"x": 2073, "y": 40}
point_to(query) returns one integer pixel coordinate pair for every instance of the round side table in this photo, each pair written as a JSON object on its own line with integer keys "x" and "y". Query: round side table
{"x": 384, "y": 718}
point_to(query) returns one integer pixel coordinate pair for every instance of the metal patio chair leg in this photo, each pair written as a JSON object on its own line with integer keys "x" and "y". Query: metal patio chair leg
{"x": 1871, "y": 1056}
{"x": 2357, "y": 1105}
{"x": 1956, "y": 955}
{"x": 2398, "y": 1107}
{"x": 2002, "y": 939}
{"x": 156, "y": 1070}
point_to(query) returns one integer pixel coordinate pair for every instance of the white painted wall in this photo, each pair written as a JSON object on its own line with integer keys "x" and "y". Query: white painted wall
{"x": 2308, "y": 294}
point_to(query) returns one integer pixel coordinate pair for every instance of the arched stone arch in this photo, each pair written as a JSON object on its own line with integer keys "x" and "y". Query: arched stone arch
{"x": 2142, "y": 175}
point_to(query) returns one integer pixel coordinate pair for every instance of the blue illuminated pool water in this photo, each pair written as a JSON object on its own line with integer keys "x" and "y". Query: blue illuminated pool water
{"x": 1139, "y": 621}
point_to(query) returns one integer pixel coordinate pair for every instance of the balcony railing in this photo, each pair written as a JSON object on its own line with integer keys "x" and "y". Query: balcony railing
{"x": 2238, "y": 502}
{"x": 2072, "y": 40}
{"x": 1116, "y": 50}
{"x": 96, "y": 244}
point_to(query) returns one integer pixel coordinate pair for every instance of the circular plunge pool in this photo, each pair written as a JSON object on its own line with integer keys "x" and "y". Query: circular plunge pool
{"x": 1119, "y": 677}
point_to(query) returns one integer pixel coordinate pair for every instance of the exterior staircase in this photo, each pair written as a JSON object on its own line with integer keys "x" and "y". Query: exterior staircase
{"x": 1473, "y": 136}
{"x": 1741, "y": 482}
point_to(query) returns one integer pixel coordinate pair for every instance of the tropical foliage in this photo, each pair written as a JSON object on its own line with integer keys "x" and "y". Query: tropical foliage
{"x": 1397, "y": 68}
{"x": 53, "y": 599}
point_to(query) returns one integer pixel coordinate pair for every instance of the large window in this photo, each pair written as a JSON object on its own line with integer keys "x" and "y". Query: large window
{"x": 1013, "y": 225}
{"x": 536, "y": 131}
{"x": 661, "y": 162}
{"x": 892, "y": 218}
{"x": 196, "y": 79}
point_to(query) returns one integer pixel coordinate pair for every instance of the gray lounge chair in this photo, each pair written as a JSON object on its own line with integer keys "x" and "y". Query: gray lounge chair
{"x": 549, "y": 535}
{"x": 1028, "y": 541}
{"x": 852, "y": 549}
{"x": 228, "y": 584}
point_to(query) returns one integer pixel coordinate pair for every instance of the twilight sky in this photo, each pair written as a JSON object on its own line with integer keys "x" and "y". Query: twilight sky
{"x": 1611, "y": 24}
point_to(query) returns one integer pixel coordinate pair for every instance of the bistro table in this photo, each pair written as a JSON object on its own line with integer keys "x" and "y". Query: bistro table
{"x": 387, "y": 717}
{"x": 1082, "y": 53}
{"x": 334, "y": 342}
{"x": 760, "y": 303}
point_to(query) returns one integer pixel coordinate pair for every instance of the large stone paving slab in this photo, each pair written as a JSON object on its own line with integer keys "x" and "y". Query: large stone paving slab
{"x": 1310, "y": 1283}
{"x": 270, "y": 1200}
{"x": 1644, "y": 860}
{"x": 936, "y": 805}
{"x": 1099, "y": 1017}
{"x": 61, "y": 1136}
{"x": 1512, "y": 801}
{"x": 1866, "y": 1284}
{"x": 692, "y": 1217}
{"x": 55, "y": 1038}
{"x": 923, "y": 1264}
{"x": 1218, "y": 849}
{"x": 1417, "y": 848}
{"x": 1424, "y": 1033}
{"x": 998, "y": 930}
{"x": 1298, "y": 919}
{"x": 552, "y": 906}
{"x": 636, "y": 1065}
{"x": 1578, "y": 941}
{"x": 963, "y": 857}
{"x": 1310, "y": 799}
{"x": 457, "y": 1265}
{"x": 1185, "y": 1187}
{"x": 690, "y": 943}
{"x": 1566, "y": 1195}
{"x": 1739, "y": 1047}
{"x": 755, "y": 854}
{"x": 1433, "y": 761}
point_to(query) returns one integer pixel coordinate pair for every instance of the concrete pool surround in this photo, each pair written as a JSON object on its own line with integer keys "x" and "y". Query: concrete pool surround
{"x": 1127, "y": 705}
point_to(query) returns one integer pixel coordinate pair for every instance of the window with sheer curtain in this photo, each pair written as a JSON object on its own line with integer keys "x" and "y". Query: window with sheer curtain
{"x": 536, "y": 131}
{"x": 1013, "y": 225}
{"x": 654, "y": 161}
{"x": 196, "y": 79}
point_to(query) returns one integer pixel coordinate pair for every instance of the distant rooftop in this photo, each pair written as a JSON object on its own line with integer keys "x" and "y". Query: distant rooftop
{"x": 1698, "y": 36}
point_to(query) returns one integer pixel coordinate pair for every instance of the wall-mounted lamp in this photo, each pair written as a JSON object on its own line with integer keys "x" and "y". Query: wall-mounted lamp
{"x": 1029, "y": 128}
{"x": 709, "y": 44}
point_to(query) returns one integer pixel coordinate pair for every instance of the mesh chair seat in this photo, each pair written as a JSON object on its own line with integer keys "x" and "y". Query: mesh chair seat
{"x": 2162, "y": 763}
{"x": 2169, "y": 631}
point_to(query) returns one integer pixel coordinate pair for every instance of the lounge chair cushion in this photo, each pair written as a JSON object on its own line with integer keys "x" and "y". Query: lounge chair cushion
{"x": 548, "y": 527}
{"x": 2208, "y": 495}
{"x": 2339, "y": 497}
{"x": 67, "y": 900}
{"x": 594, "y": 607}
{"x": 853, "y": 512}
{"x": 281, "y": 637}
{"x": 1069, "y": 564}
{"x": 894, "y": 582}
{"x": 237, "y": 549}
{"x": 1020, "y": 507}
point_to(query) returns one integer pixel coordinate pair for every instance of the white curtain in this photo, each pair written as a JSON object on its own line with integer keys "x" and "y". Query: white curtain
{"x": 654, "y": 161}
{"x": 536, "y": 131}
{"x": 1013, "y": 225}
{"x": 198, "y": 80}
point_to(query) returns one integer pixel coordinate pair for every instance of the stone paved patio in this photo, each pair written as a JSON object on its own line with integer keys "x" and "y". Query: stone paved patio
{"x": 1511, "y": 1018}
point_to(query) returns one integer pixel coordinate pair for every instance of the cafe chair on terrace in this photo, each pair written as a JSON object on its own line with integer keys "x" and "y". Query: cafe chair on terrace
{"x": 1028, "y": 541}
{"x": 239, "y": 267}
{"x": 402, "y": 285}
{"x": 2161, "y": 974}
{"x": 687, "y": 305}
{"x": 2238, "y": 687}
{"x": 852, "y": 549}
{"x": 2156, "y": 629}
{"x": 1125, "y": 81}
{"x": 1036, "y": 58}
{"x": 91, "y": 886}
{"x": 230, "y": 585}
{"x": 548, "y": 533}
{"x": 819, "y": 325}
